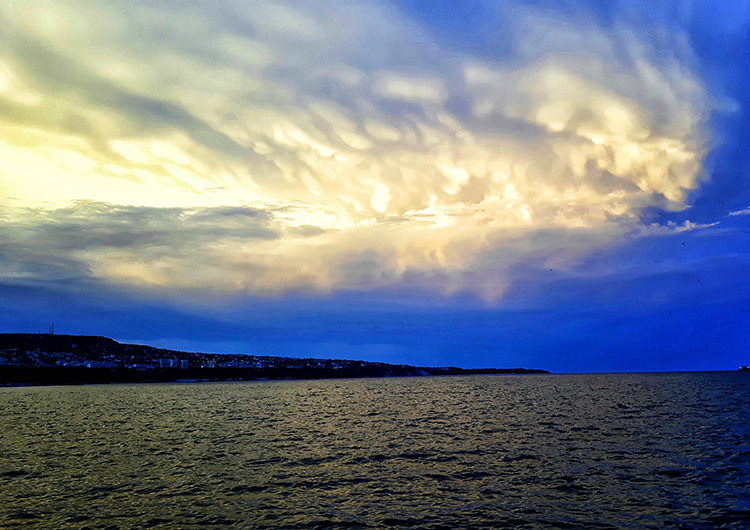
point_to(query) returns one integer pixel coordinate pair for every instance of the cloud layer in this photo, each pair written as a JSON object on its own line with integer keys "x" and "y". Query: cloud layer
{"x": 299, "y": 145}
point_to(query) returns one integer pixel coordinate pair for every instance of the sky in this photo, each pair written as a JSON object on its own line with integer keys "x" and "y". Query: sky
{"x": 546, "y": 184}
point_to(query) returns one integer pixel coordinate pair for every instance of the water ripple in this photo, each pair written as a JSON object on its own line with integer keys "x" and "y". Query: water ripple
{"x": 644, "y": 451}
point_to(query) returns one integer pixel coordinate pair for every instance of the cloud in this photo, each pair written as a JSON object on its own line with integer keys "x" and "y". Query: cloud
{"x": 156, "y": 246}
{"x": 333, "y": 146}
{"x": 744, "y": 211}
{"x": 655, "y": 229}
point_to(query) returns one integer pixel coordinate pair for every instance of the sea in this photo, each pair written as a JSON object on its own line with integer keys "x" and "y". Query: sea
{"x": 604, "y": 451}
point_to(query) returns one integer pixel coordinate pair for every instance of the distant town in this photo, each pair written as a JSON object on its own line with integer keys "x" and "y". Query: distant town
{"x": 47, "y": 358}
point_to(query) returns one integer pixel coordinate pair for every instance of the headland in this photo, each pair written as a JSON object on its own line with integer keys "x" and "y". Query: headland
{"x": 49, "y": 359}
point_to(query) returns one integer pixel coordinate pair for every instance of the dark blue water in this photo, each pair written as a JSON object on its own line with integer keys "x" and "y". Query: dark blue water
{"x": 569, "y": 451}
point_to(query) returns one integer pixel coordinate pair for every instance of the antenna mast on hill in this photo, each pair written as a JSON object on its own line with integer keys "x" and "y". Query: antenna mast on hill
{"x": 52, "y": 329}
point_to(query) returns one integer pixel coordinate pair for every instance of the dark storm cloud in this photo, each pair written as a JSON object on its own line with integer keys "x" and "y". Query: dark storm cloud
{"x": 62, "y": 243}
{"x": 90, "y": 224}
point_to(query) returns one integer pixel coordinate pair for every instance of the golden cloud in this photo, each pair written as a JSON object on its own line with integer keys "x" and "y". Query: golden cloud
{"x": 307, "y": 115}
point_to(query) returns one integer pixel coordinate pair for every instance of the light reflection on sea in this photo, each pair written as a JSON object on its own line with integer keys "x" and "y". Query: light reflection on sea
{"x": 559, "y": 451}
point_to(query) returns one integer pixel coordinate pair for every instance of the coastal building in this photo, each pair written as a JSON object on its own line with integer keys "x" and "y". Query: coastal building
{"x": 141, "y": 366}
{"x": 167, "y": 363}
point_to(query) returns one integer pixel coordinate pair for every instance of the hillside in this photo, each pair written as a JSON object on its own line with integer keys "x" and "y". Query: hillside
{"x": 78, "y": 359}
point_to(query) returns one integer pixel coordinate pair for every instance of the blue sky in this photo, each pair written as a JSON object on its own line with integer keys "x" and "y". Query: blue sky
{"x": 561, "y": 185}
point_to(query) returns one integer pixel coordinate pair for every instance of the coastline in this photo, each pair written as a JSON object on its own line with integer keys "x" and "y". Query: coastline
{"x": 29, "y": 376}
{"x": 48, "y": 359}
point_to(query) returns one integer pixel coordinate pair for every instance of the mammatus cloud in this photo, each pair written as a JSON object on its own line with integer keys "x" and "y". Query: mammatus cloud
{"x": 327, "y": 146}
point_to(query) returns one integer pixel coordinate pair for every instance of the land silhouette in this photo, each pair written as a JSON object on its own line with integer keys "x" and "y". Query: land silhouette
{"x": 49, "y": 359}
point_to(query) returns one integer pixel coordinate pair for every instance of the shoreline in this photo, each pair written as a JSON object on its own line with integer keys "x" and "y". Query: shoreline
{"x": 19, "y": 376}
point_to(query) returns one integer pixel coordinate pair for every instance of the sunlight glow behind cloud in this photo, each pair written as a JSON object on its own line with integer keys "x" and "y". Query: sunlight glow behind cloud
{"x": 282, "y": 147}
